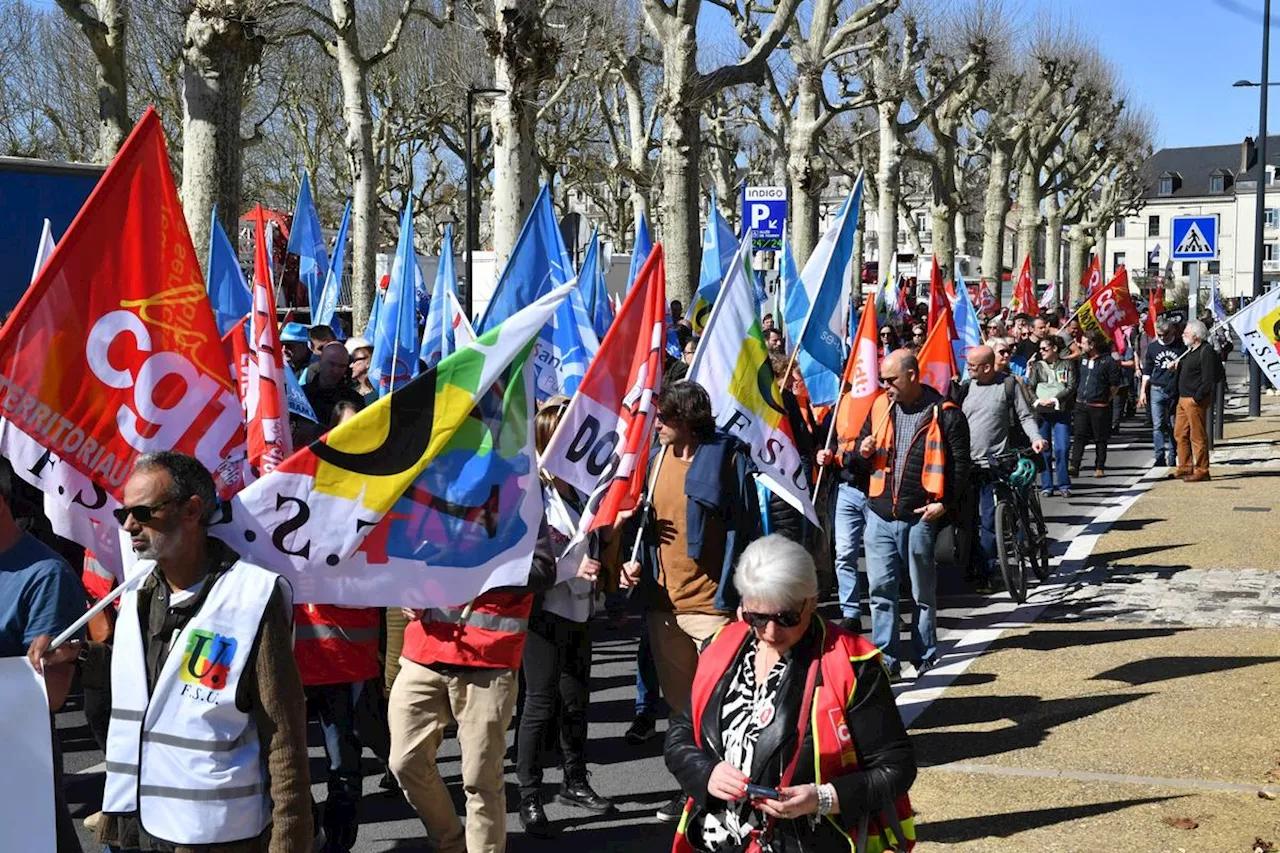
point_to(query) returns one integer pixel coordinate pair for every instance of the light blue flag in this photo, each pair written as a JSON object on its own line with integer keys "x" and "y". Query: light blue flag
{"x": 968, "y": 326}
{"x": 640, "y": 253}
{"x": 719, "y": 244}
{"x": 327, "y": 310}
{"x": 307, "y": 242}
{"x": 792, "y": 311}
{"x": 539, "y": 263}
{"x": 825, "y": 281}
{"x": 395, "y": 337}
{"x": 591, "y": 283}
{"x": 228, "y": 291}
{"x": 564, "y": 349}
{"x": 367, "y": 332}
{"x": 437, "y": 336}
{"x": 1215, "y": 304}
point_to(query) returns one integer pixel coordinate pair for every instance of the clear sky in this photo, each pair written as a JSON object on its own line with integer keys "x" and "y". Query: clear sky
{"x": 1179, "y": 59}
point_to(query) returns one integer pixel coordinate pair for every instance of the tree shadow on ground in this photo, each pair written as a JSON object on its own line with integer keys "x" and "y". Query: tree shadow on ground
{"x": 1048, "y": 640}
{"x": 1012, "y": 823}
{"x": 1151, "y": 670}
{"x": 1105, "y": 558}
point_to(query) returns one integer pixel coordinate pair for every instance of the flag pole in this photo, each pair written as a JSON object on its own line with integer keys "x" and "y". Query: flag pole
{"x": 143, "y": 571}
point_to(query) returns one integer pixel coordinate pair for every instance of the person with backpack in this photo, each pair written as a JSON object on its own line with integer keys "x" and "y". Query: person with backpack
{"x": 994, "y": 408}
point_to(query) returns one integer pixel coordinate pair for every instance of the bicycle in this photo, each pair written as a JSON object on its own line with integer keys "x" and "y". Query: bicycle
{"x": 1022, "y": 538}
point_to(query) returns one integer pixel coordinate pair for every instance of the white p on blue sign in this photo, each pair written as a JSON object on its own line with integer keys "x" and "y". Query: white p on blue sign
{"x": 1195, "y": 238}
{"x": 765, "y": 214}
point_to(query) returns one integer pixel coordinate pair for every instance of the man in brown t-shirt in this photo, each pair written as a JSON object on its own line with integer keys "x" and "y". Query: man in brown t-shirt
{"x": 703, "y": 514}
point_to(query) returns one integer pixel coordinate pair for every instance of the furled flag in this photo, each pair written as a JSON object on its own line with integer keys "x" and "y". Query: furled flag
{"x": 732, "y": 360}
{"x": 788, "y": 277}
{"x": 639, "y": 252}
{"x": 438, "y": 336}
{"x": 904, "y": 309}
{"x": 564, "y": 349}
{"x": 823, "y": 294}
{"x": 988, "y": 303}
{"x": 937, "y": 293}
{"x": 44, "y": 250}
{"x": 1155, "y": 307}
{"x": 1092, "y": 277}
{"x": 861, "y": 382}
{"x": 1050, "y": 297}
{"x": 718, "y": 246}
{"x": 601, "y": 446}
{"x": 968, "y": 326}
{"x": 937, "y": 358}
{"x": 539, "y": 263}
{"x": 266, "y": 406}
{"x": 307, "y": 242}
{"x": 1024, "y": 292}
{"x": 114, "y": 351}
{"x": 463, "y": 333}
{"x": 395, "y": 338}
{"x": 1258, "y": 327}
{"x": 595, "y": 294}
{"x": 327, "y": 309}
{"x": 424, "y": 499}
{"x": 1215, "y": 302}
{"x": 1111, "y": 308}
{"x": 228, "y": 292}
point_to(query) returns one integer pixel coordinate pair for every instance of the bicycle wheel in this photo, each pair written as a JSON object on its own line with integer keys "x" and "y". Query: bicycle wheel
{"x": 1039, "y": 549}
{"x": 1009, "y": 545}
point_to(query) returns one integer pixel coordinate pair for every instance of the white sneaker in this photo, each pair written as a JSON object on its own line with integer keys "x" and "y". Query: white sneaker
{"x": 909, "y": 671}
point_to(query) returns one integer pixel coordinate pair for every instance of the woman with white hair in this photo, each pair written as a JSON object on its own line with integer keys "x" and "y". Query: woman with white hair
{"x": 792, "y": 741}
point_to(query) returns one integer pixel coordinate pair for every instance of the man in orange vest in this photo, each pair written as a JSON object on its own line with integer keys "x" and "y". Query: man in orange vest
{"x": 459, "y": 665}
{"x": 915, "y": 447}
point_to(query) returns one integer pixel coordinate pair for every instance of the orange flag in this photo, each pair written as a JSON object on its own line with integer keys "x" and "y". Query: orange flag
{"x": 938, "y": 358}
{"x": 861, "y": 381}
{"x": 937, "y": 294}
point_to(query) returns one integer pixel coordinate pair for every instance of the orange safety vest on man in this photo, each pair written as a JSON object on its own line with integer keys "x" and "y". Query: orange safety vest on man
{"x": 492, "y": 637}
{"x": 336, "y": 645}
{"x": 98, "y": 582}
{"x": 833, "y": 744}
{"x": 933, "y": 477}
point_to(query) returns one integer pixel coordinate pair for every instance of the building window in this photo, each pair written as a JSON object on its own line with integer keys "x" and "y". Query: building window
{"x": 1215, "y": 267}
{"x": 1271, "y": 175}
{"x": 1166, "y": 186}
{"x": 1120, "y": 225}
{"x": 1217, "y": 183}
{"x": 1153, "y": 226}
{"x": 1118, "y": 259}
{"x": 922, "y": 223}
{"x": 1270, "y": 251}
{"x": 1271, "y": 217}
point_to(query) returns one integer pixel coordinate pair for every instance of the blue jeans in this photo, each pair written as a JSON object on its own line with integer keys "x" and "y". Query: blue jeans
{"x": 334, "y": 706}
{"x": 1055, "y": 428}
{"x": 891, "y": 548}
{"x": 849, "y": 519}
{"x": 984, "y": 494}
{"x": 646, "y": 676}
{"x": 1162, "y": 405}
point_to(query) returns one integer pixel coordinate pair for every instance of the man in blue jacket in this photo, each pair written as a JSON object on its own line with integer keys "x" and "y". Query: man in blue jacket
{"x": 702, "y": 516}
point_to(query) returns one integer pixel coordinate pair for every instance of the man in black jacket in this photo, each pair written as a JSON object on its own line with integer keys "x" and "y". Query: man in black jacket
{"x": 1199, "y": 369}
{"x": 915, "y": 446}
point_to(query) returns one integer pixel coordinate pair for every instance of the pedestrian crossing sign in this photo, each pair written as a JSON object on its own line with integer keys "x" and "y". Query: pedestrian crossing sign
{"x": 1195, "y": 238}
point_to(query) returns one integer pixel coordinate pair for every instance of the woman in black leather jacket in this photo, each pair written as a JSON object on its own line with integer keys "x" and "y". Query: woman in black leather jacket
{"x": 748, "y": 698}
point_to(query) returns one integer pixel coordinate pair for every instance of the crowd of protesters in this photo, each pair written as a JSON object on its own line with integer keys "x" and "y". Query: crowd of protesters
{"x": 723, "y": 582}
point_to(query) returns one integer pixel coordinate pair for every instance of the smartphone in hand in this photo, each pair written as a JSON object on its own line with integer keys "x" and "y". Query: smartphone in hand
{"x": 760, "y": 792}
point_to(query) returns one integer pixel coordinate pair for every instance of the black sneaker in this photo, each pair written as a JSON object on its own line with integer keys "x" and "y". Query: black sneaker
{"x": 672, "y": 811}
{"x": 643, "y": 729}
{"x": 579, "y": 793}
{"x": 533, "y": 818}
{"x": 924, "y": 666}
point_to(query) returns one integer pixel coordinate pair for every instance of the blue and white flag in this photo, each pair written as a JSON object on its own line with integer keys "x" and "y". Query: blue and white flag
{"x": 228, "y": 291}
{"x": 564, "y": 348}
{"x": 327, "y": 310}
{"x": 438, "y": 336}
{"x": 591, "y": 283}
{"x": 719, "y": 244}
{"x": 307, "y": 242}
{"x": 395, "y": 338}
{"x": 788, "y": 281}
{"x": 640, "y": 252}
{"x": 1215, "y": 302}
{"x": 825, "y": 286}
{"x": 968, "y": 326}
{"x": 539, "y": 263}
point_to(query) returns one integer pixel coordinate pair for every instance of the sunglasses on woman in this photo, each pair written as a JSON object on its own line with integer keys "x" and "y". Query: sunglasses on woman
{"x": 785, "y": 618}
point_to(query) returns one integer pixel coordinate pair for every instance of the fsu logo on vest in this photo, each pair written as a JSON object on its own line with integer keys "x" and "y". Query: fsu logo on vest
{"x": 206, "y": 665}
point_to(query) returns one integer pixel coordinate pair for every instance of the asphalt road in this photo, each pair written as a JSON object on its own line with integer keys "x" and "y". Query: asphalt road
{"x": 635, "y": 777}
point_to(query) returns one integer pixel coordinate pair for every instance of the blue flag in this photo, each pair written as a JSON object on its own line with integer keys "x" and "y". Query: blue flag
{"x": 539, "y": 263}
{"x": 307, "y": 242}
{"x": 395, "y": 338}
{"x": 719, "y": 244}
{"x": 640, "y": 253}
{"x": 437, "y": 336}
{"x": 564, "y": 349}
{"x": 825, "y": 283}
{"x": 373, "y": 314}
{"x": 968, "y": 326}
{"x": 327, "y": 309}
{"x": 228, "y": 291}
{"x": 591, "y": 282}
{"x": 788, "y": 284}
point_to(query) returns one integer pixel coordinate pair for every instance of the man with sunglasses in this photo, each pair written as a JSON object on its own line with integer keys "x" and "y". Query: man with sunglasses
{"x": 208, "y": 746}
{"x": 915, "y": 448}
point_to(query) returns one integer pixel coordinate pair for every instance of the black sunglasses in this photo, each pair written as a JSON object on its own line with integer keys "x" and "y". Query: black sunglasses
{"x": 143, "y": 514}
{"x": 785, "y": 619}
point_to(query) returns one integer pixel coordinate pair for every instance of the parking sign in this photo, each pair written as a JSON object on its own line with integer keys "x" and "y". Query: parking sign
{"x": 764, "y": 212}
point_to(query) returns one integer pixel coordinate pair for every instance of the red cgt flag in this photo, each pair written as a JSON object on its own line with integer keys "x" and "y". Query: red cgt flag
{"x": 1111, "y": 307}
{"x": 601, "y": 445}
{"x": 113, "y": 351}
{"x": 266, "y": 406}
{"x": 1092, "y": 278}
{"x": 988, "y": 303}
{"x": 1154, "y": 309}
{"x": 1024, "y": 292}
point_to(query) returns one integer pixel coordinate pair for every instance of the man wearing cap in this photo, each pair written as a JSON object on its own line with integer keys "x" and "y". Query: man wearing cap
{"x": 297, "y": 348}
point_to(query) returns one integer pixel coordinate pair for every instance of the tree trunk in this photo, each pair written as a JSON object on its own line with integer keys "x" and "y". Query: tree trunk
{"x": 113, "y": 93}
{"x": 1028, "y": 214}
{"x": 1078, "y": 239}
{"x": 682, "y": 245}
{"x": 888, "y": 175}
{"x": 217, "y": 55}
{"x": 1052, "y": 240}
{"x": 358, "y": 146}
{"x": 804, "y": 171}
{"x": 996, "y": 211}
{"x": 1100, "y": 247}
{"x": 637, "y": 142}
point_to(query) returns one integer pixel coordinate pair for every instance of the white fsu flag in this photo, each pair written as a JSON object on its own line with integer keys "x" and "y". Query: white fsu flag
{"x": 1259, "y": 329}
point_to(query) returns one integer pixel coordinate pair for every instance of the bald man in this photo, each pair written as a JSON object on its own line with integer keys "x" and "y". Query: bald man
{"x": 330, "y": 382}
{"x": 915, "y": 449}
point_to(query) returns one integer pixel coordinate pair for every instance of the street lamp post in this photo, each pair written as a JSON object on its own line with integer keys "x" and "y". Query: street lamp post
{"x": 471, "y": 215}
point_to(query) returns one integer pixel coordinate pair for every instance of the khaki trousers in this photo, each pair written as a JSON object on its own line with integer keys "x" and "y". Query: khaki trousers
{"x": 423, "y": 702}
{"x": 396, "y": 623}
{"x": 1191, "y": 437}
{"x": 676, "y": 639}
